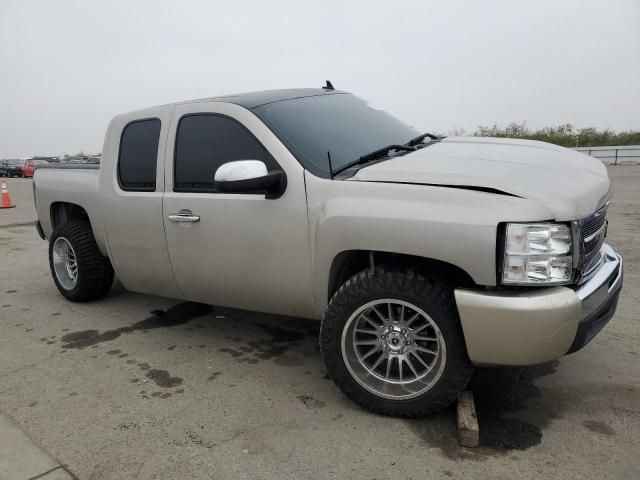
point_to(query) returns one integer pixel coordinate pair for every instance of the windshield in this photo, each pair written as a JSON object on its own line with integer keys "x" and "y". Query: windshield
{"x": 342, "y": 124}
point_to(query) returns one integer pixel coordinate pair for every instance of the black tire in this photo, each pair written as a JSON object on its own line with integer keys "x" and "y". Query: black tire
{"x": 95, "y": 273}
{"x": 430, "y": 293}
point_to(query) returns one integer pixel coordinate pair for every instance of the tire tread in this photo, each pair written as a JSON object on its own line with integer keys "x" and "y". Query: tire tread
{"x": 95, "y": 273}
{"x": 422, "y": 286}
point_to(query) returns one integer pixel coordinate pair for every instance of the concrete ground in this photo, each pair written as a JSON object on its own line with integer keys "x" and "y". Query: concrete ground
{"x": 135, "y": 386}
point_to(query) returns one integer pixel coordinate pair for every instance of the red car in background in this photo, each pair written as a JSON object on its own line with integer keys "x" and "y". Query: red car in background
{"x": 30, "y": 165}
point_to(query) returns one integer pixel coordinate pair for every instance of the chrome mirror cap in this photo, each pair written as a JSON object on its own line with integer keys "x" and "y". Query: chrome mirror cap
{"x": 240, "y": 170}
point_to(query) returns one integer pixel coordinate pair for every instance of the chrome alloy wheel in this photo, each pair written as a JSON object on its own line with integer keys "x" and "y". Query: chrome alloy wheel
{"x": 393, "y": 349}
{"x": 64, "y": 263}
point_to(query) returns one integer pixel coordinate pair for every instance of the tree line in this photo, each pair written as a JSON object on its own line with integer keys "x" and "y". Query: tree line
{"x": 564, "y": 135}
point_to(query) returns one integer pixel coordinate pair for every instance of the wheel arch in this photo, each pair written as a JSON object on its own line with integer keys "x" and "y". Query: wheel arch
{"x": 63, "y": 212}
{"x": 349, "y": 262}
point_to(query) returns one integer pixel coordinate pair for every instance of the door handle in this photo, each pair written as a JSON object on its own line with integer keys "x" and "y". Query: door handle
{"x": 184, "y": 216}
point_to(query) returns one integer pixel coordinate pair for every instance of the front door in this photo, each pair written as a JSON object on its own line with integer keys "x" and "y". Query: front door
{"x": 239, "y": 250}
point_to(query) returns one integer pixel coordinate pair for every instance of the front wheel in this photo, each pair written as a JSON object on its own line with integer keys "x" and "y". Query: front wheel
{"x": 393, "y": 343}
{"x": 79, "y": 270}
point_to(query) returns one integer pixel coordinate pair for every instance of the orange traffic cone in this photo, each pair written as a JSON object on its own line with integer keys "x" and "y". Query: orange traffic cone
{"x": 6, "y": 200}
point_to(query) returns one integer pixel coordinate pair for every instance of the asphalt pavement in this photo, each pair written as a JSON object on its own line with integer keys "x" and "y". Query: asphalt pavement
{"x": 136, "y": 386}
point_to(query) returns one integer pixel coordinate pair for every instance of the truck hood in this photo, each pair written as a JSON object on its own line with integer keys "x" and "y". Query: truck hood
{"x": 569, "y": 184}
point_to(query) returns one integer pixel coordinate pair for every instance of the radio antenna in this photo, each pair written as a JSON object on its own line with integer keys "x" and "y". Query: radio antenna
{"x": 328, "y": 86}
{"x": 330, "y": 165}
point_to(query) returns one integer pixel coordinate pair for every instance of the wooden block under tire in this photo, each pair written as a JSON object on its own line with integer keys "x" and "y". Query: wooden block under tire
{"x": 468, "y": 431}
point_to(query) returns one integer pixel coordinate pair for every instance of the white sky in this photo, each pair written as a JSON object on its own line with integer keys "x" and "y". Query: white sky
{"x": 67, "y": 67}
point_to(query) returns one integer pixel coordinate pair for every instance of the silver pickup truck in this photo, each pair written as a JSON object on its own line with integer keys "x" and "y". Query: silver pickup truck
{"x": 422, "y": 255}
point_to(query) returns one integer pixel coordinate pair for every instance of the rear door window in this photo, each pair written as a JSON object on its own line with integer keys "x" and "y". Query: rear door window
{"x": 138, "y": 156}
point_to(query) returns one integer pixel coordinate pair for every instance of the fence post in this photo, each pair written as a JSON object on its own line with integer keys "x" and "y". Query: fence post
{"x": 616, "y": 157}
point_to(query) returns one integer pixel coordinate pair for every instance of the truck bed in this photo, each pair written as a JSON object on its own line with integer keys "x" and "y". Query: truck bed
{"x": 67, "y": 166}
{"x": 74, "y": 184}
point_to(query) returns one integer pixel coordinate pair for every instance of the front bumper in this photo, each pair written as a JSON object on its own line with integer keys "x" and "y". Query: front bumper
{"x": 538, "y": 325}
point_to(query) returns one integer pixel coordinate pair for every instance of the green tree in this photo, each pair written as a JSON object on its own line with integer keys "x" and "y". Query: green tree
{"x": 565, "y": 135}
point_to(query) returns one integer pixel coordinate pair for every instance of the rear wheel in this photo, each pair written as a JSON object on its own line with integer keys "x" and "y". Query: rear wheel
{"x": 79, "y": 270}
{"x": 392, "y": 342}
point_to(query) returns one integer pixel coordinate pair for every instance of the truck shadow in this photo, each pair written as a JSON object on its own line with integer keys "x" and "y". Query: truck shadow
{"x": 259, "y": 336}
{"x": 510, "y": 413}
{"x": 246, "y": 337}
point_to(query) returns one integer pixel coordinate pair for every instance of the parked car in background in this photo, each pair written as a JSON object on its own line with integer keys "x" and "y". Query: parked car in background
{"x": 30, "y": 165}
{"x": 11, "y": 168}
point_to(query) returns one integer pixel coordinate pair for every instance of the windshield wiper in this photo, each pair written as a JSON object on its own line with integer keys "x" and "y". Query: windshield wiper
{"x": 420, "y": 138}
{"x": 410, "y": 146}
{"x": 380, "y": 152}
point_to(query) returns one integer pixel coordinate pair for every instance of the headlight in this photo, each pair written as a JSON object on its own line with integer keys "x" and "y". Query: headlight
{"x": 539, "y": 253}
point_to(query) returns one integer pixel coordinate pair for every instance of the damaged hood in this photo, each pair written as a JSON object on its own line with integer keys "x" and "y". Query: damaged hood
{"x": 571, "y": 185}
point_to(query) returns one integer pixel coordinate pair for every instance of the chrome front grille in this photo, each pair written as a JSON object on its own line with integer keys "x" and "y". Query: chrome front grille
{"x": 593, "y": 230}
{"x": 595, "y": 222}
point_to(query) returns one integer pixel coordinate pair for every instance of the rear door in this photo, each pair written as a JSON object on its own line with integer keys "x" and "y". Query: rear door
{"x": 244, "y": 251}
{"x": 131, "y": 189}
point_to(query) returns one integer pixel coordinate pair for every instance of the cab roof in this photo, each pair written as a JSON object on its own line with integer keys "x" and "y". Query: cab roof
{"x": 252, "y": 100}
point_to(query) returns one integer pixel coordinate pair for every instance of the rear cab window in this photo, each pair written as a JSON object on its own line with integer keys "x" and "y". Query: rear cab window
{"x": 138, "y": 156}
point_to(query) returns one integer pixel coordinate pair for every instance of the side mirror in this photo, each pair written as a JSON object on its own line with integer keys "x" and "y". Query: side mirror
{"x": 249, "y": 176}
